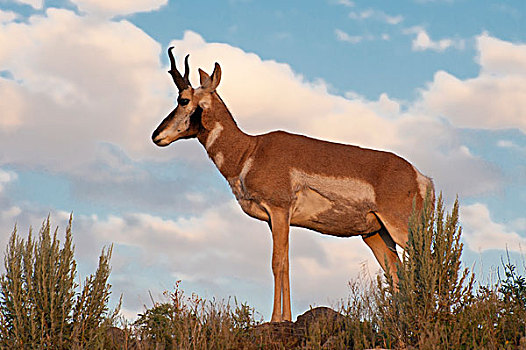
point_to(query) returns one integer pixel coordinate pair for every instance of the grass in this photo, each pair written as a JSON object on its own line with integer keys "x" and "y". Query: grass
{"x": 437, "y": 304}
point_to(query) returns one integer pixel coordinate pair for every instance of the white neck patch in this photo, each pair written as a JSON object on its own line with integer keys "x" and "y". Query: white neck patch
{"x": 213, "y": 135}
{"x": 219, "y": 159}
{"x": 246, "y": 168}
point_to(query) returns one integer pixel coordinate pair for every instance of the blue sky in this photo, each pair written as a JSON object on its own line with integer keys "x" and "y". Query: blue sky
{"x": 83, "y": 83}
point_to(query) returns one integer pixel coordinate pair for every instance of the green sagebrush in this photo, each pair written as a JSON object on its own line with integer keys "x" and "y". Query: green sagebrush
{"x": 41, "y": 305}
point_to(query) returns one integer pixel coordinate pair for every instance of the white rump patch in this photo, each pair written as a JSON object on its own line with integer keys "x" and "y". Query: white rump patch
{"x": 213, "y": 135}
{"x": 423, "y": 182}
{"x": 331, "y": 187}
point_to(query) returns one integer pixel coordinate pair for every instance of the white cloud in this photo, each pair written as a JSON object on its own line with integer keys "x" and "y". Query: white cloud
{"x": 11, "y": 213}
{"x": 355, "y": 39}
{"x": 7, "y": 16}
{"x": 361, "y": 15}
{"x": 511, "y": 145}
{"x": 118, "y": 7}
{"x": 36, "y": 4}
{"x": 12, "y": 105}
{"x": 481, "y": 233}
{"x": 347, "y": 3}
{"x": 364, "y": 15}
{"x": 78, "y": 82}
{"x": 423, "y": 42}
{"x": 499, "y": 57}
{"x": 519, "y": 224}
{"x": 495, "y": 99}
{"x": 392, "y": 19}
{"x": 377, "y": 15}
{"x": 433, "y": 146}
{"x": 343, "y": 36}
{"x": 6, "y": 177}
{"x": 506, "y": 144}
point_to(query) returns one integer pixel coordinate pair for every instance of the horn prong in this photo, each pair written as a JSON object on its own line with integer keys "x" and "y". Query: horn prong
{"x": 186, "y": 69}
{"x": 172, "y": 59}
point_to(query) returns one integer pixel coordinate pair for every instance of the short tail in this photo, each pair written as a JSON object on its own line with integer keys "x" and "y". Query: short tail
{"x": 425, "y": 186}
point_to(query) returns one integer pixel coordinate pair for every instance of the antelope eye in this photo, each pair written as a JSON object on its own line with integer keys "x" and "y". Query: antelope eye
{"x": 183, "y": 101}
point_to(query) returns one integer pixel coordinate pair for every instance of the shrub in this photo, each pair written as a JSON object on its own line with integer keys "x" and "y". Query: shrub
{"x": 41, "y": 305}
{"x": 512, "y": 292}
{"x": 435, "y": 305}
{"x": 194, "y": 323}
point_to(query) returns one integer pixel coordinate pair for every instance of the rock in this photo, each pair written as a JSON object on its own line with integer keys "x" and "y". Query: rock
{"x": 278, "y": 334}
{"x": 323, "y": 327}
{"x": 317, "y": 315}
{"x": 316, "y": 328}
{"x": 115, "y": 338}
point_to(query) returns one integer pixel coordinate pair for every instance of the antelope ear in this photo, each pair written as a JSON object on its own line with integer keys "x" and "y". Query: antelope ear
{"x": 211, "y": 84}
{"x": 203, "y": 76}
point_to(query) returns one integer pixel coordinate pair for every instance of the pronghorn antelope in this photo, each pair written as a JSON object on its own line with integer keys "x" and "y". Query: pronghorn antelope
{"x": 287, "y": 179}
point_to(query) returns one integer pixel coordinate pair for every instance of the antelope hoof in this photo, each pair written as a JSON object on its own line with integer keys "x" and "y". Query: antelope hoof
{"x": 276, "y": 318}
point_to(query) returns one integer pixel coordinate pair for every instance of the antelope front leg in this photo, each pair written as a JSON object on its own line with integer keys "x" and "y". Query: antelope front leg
{"x": 279, "y": 224}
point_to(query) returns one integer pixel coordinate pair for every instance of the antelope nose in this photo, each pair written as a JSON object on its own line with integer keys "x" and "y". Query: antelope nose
{"x": 155, "y": 135}
{"x": 159, "y": 140}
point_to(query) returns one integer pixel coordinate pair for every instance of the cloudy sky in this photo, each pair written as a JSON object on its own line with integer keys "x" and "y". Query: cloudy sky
{"x": 83, "y": 83}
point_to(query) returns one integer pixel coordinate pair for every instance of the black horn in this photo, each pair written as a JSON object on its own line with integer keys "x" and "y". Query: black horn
{"x": 180, "y": 81}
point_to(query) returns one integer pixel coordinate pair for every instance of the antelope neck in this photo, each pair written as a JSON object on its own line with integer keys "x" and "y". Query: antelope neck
{"x": 227, "y": 145}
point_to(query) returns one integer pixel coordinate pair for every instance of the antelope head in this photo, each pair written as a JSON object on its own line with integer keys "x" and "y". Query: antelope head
{"x": 184, "y": 121}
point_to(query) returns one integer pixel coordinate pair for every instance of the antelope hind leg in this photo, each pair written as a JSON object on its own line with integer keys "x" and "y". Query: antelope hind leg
{"x": 384, "y": 249}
